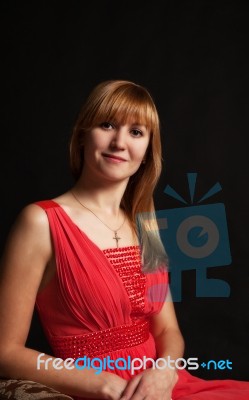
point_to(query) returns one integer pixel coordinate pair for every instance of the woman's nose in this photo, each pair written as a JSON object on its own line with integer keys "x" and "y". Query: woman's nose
{"x": 119, "y": 139}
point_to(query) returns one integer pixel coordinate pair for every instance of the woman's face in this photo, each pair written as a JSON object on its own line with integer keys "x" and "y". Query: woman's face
{"x": 114, "y": 151}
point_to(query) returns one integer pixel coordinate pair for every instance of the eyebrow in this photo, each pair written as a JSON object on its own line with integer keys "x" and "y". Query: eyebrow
{"x": 137, "y": 124}
{"x": 141, "y": 126}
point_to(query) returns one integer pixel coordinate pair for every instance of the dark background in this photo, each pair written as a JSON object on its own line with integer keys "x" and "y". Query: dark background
{"x": 193, "y": 58}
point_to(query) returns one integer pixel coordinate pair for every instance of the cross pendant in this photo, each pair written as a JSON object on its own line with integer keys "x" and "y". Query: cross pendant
{"x": 116, "y": 237}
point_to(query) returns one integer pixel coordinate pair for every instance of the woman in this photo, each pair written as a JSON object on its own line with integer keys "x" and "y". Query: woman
{"x": 93, "y": 263}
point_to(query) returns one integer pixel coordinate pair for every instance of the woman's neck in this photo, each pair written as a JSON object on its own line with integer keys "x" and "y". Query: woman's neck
{"x": 100, "y": 196}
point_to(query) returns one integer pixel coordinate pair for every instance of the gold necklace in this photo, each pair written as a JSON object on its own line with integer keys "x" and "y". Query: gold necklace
{"x": 115, "y": 231}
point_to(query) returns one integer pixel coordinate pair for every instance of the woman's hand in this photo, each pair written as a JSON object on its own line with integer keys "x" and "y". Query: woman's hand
{"x": 151, "y": 384}
{"x": 113, "y": 387}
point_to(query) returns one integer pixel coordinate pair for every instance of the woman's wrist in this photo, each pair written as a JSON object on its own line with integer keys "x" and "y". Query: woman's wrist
{"x": 111, "y": 386}
{"x": 171, "y": 373}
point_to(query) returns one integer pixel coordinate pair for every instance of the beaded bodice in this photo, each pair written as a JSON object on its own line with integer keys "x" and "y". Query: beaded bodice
{"x": 127, "y": 263}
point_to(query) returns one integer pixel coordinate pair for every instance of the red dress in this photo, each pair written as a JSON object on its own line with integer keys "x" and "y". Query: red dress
{"x": 99, "y": 304}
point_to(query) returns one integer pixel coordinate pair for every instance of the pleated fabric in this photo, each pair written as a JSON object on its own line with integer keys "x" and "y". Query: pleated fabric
{"x": 99, "y": 304}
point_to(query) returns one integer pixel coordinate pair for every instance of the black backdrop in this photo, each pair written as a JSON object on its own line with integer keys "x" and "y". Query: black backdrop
{"x": 193, "y": 58}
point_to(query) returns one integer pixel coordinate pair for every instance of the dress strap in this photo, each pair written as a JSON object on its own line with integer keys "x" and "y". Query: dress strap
{"x": 46, "y": 204}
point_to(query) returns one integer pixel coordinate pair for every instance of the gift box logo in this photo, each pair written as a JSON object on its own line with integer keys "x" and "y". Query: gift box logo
{"x": 195, "y": 237}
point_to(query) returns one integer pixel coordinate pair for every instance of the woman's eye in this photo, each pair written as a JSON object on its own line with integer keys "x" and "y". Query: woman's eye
{"x": 136, "y": 132}
{"x": 106, "y": 125}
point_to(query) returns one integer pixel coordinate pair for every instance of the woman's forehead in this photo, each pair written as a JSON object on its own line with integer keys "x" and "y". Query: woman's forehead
{"x": 129, "y": 120}
{"x": 129, "y": 117}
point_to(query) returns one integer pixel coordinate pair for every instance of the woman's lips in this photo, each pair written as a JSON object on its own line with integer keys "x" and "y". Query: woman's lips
{"x": 112, "y": 157}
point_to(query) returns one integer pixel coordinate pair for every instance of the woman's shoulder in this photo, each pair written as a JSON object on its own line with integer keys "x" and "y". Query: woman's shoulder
{"x": 29, "y": 234}
{"x": 32, "y": 217}
{"x": 35, "y": 214}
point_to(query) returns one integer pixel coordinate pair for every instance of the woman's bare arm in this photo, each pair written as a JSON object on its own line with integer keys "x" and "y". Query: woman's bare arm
{"x": 28, "y": 251}
{"x": 166, "y": 332}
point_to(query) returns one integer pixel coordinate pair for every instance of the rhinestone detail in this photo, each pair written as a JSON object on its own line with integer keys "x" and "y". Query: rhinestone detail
{"x": 127, "y": 263}
{"x": 98, "y": 343}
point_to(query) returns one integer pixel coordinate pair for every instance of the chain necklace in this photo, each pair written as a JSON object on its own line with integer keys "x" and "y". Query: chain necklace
{"x": 115, "y": 231}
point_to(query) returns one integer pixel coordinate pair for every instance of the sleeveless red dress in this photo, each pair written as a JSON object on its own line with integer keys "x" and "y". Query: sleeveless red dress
{"x": 99, "y": 304}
